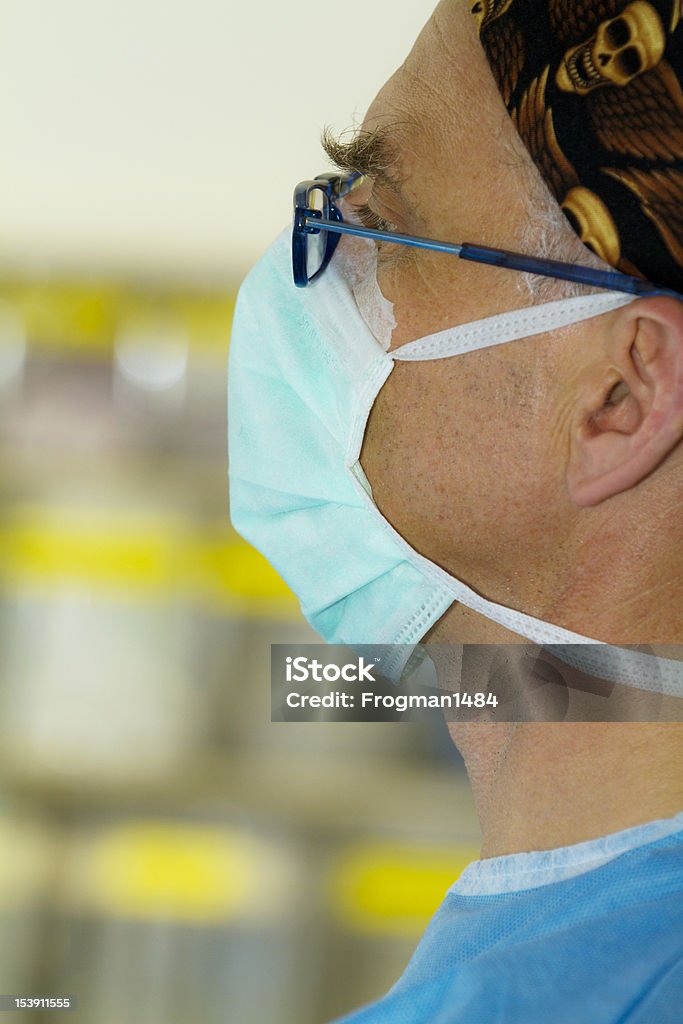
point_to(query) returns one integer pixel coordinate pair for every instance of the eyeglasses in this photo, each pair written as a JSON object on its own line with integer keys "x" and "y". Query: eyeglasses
{"x": 318, "y": 226}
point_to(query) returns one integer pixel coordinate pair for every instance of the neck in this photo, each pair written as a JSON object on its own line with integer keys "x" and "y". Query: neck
{"x": 625, "y": 581}
{"x": 538, "y": 786}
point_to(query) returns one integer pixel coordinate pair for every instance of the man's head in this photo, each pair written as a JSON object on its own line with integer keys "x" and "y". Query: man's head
{"x": 548, "y": 473}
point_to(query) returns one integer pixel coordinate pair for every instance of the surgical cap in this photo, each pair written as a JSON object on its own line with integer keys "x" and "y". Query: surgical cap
{"x": 594, "y": 90}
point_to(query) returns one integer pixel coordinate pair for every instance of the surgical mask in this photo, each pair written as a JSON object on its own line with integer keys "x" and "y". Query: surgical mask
{"x": 305, "y": 369}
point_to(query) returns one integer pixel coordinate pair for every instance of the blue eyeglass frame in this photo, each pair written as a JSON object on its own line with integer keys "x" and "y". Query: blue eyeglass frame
{"x": 335, "y": 186}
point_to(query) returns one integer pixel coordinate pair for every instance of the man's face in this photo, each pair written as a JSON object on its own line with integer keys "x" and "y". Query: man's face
{"x": 461, "y": 453}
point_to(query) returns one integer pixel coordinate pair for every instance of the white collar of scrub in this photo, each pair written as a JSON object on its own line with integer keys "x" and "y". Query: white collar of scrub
{"x": 518, "y": 871}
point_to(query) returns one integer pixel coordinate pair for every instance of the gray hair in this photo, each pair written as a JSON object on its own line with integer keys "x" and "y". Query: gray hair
{"x": 548, "y": 234}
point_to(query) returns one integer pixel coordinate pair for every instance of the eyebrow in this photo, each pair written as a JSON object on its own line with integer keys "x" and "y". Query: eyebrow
{"x": 373, "y": 153}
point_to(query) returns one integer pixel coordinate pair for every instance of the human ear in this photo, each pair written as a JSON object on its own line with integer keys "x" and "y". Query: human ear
{"x": 629, "y": 412}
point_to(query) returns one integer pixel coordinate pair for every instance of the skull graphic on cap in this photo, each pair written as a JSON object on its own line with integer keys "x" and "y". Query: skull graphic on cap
{"x": 619, "y": 50}
{"x": 486, "y": 11}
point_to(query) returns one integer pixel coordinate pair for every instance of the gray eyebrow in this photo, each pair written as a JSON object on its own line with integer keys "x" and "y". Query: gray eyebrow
{"x": 374, "y": 153}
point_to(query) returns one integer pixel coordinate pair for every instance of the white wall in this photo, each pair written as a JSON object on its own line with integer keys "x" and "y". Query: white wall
{"x": 167, "y": 135}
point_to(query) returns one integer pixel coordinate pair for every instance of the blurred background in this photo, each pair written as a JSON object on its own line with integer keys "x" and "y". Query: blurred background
{"x": 167, "y": 854}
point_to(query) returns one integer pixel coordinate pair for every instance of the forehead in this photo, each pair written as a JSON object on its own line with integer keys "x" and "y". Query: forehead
{"x": 440, "y": 77}
{"x": 464, "y": 175}
{"x": 451, "y": 127}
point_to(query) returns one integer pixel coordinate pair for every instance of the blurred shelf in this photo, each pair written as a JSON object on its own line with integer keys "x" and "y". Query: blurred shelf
{"x": 343, "y": 793}
{"x": 85, "y": 317}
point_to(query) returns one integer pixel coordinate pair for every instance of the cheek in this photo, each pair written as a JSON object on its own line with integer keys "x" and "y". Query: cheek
{"x": 454, "y": 465}
{"x": 417, "y": 455}
{"x": 398, "y": 449}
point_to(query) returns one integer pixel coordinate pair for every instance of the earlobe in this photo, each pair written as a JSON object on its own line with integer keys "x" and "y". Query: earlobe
{"x": 629, "y": 409}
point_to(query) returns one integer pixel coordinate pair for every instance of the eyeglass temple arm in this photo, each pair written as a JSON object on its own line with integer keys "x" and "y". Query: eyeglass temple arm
{"x": 565, "y": 271}
{"x": 613, "y": 280}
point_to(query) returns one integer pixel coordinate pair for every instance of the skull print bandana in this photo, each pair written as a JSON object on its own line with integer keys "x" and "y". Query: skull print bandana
{"x": 594, "y": 90}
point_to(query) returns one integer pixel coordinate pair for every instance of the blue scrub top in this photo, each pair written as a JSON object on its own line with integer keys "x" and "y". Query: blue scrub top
{"x": 587, "y": 934}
